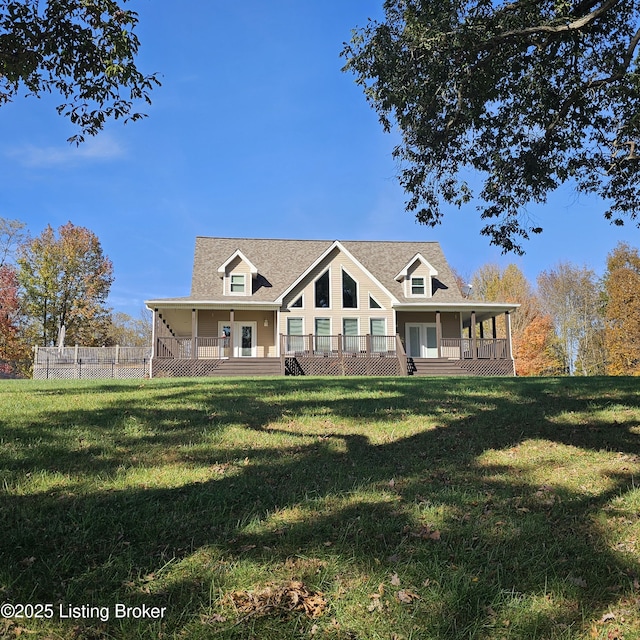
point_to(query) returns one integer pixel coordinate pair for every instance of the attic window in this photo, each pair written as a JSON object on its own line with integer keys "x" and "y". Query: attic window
{"x": 417, "y": 286}
{"x": 373, "y": 303}
{"x": 238, "y": 283}
{"x": 297, "y": 304}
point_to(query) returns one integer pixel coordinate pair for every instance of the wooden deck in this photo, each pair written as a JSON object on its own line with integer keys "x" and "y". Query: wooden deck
{"x": 316, "y": 355}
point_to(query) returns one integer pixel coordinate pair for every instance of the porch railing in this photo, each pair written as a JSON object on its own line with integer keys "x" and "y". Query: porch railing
{"x": 338, "y": 346}
{"x": 187, "y": 348}
{"x": 462, "y": 348}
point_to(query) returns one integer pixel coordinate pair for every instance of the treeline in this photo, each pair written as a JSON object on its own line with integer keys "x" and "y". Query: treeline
{"x": 53, "y": 288}
{"x": 572, "y": 322}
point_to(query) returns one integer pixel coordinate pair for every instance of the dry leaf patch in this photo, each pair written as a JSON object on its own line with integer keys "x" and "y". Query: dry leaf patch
{"x": 280, "y": 599}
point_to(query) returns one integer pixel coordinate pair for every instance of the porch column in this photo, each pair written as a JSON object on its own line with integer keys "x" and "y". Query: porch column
{"x": 507, "y": 322}
{"x": 439, "y": 334}
{"x": 494, "y": 335}
{"x": 232, "y": 317}
{"x": 474, "y": 342}
{"x": 194, "y": 330}
{"x": 154, "y": 334}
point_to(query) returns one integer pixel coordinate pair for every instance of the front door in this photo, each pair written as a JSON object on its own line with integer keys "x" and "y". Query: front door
{"x": 421, "y": 340}
{"x": 244, "y": 338}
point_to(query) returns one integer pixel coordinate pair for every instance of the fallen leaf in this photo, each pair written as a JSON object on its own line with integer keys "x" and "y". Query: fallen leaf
{"x": 395, "y": 581}
{"x": 407, "y": 597}
{"x": 607, "y": 616}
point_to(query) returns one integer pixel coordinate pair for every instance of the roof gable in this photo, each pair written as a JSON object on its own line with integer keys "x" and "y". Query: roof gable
{"x": 404, "y": 273}
{"x": 237, "y": 254}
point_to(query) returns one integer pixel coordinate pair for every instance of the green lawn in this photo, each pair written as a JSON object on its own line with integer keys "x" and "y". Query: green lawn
{"x": 321, "y": 508}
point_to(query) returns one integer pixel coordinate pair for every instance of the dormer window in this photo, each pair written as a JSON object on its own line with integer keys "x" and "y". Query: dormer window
{"x": 238, "y": 283}
{"x": 417, "y": 286}
{"x": 238, "y": 274}
{"x": 417, "y": 276}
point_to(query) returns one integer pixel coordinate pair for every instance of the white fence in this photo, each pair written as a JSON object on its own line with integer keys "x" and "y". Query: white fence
{"x": 91, "y": 362}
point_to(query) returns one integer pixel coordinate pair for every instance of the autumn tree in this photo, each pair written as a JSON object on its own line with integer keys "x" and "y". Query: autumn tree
{"x": 84, "y": 50}
{"x": 532, "y": 334}
{"x": 524, "y": 94}
{"x": 535, "y": 349}
{"x": 571, "y": 295}
{"x": 65, "y": 280}
{"x": 622, "y": 294}
{"x": 12, "y": 347}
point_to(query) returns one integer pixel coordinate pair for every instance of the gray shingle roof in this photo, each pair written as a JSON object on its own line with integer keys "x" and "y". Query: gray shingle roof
{"x": 281, "y": 262}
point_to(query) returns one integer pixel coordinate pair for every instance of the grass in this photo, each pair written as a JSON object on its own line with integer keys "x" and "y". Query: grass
{"x": 322, "y": 508}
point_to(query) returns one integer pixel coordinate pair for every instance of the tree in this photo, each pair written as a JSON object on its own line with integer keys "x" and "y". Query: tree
{"x": 127, "y": 331}
{"x": 527, "y": 94}
{"x": 572, "y": 296}
{"x": 536, "y": 350}
{"x": 12, "y": 347}
{"x": 65, "y": 280}
{"x": 622, "y": 292}
{"x": 12, "y": 234}
{"x": 84, "y": 50}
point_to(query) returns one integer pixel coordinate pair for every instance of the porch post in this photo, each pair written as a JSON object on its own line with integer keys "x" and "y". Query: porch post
{"x": 494, "y": 335}
{"x": 194, "y": 330}
{"x": 507, "y": 322}
{"x": 439, "y": 334}
{"x": 474, "y": 342}
{"x": 232, "y": 317}
{"x": 154, "y": 335}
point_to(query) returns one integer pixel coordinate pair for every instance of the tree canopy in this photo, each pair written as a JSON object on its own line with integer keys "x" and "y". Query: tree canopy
{"x": 527, "y": 94}
{"x": 84, "y": 50}
{"x": 65, "y": 280}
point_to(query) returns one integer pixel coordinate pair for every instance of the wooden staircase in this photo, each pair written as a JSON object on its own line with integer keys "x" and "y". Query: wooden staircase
{"x": 435, "y": 367}
{"x": 249, "y": 367}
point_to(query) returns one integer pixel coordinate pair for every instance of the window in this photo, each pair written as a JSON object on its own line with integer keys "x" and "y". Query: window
{"x": 297, "y": 304}
{"x": 378, "y": 333}
{"x": 295, "y": 335}
{"x": 237, "y": 284}
{"x": 351, "y": 342}
{"x": 374, "y": 304}
{"x": 349, "y": 292}
{"x": 322, "y": 291}
{"x": 323, "y": 334}
{"x": 417, "y": 286}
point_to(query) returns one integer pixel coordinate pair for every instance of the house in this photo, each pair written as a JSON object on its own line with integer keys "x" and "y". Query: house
{"x": 275, "y": 307}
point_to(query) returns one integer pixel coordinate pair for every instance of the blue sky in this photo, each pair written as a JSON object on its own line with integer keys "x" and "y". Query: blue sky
{"x": 255, "y": 132}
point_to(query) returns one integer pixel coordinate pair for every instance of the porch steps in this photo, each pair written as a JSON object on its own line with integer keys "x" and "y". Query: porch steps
{"x": 435, "y": 367}
{"x": 248, "y": 367}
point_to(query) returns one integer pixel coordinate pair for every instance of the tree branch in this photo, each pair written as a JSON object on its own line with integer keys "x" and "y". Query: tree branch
{"x": 576, "y": 25}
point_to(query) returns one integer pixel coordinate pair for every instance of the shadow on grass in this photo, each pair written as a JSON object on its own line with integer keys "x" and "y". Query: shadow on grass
{"x": 486, "y": 547}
